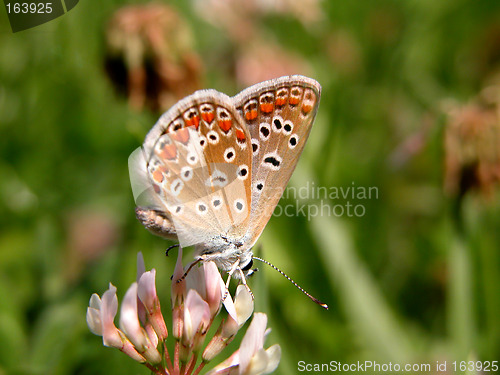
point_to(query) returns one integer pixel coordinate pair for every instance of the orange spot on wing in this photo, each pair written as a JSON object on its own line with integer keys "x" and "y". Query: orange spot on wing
{"x": 181, "y": 135}
{"x": 240, "y": 136}
{"x": 294, "y": 100}
{"x": 158, "y": 176}
{"x": 251, "y": 114}
{"x": 194, "y": 120}
{"x": 280, "y": 101}
{"x": 266, "y": 107}
{"x": 169, "y": 152}
{"x": 306, "y": 108}
{"x": 208, "y": 117}
{"x": 225, "y": 125}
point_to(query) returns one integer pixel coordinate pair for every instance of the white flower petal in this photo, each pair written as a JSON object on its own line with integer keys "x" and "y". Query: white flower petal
{"x": 243, "y": 303}
{"x": 94, "y": 321}
{"x": 229, "y": 364}
{"x": 273, "y": 358}
{"x": 230, "y": 308}
{"x": 257, "y": 365}
{"x": 95, "y": 301}
{"x": 253, "y": 340}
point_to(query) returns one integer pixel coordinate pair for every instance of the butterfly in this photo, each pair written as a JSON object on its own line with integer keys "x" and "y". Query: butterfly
{"x": 213, "y": 168}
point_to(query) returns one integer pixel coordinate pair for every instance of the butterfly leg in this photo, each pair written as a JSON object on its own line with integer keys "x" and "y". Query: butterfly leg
{"x": 189, "y": 269}
{"x": 234, "y": 267}
{"x": 244, "y": 281}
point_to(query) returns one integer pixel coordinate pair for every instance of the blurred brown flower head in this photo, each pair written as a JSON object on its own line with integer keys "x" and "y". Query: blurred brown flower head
{"x": 150, "y": 56}
{"x": 472, "y": 149}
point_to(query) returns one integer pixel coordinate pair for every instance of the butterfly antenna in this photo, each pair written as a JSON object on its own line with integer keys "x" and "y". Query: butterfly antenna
{"x": 324, "y": 305}
{"x": 170, "y": 248}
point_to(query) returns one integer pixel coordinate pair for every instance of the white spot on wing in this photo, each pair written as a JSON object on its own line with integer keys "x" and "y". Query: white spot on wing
{"x": 217, "y": 178}
{"x": 176, "y": 186}
{"x": 229, "y": 154}
{"x": 186, "y": 173}
{"x": 212, "y": 137}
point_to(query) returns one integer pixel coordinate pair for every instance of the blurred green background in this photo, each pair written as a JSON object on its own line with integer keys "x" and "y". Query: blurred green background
{"x": 415, "y": 279}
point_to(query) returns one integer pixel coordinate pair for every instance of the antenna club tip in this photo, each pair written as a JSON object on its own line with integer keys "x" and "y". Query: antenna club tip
{"x": 323, "y": 305}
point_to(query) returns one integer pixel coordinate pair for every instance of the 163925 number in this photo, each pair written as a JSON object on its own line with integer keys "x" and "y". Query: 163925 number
{"x": 29, "y": 8}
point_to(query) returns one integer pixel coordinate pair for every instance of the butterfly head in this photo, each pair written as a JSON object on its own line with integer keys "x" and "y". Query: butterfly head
{"x": 228, "y": 255}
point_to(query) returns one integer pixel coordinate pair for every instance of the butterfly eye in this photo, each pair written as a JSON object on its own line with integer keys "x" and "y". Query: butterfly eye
{"x": 248, "y": 265}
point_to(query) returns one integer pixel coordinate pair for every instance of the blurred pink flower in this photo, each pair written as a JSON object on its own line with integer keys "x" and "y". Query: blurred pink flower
{"x": 240, "y": 18}
{"x": 261, "y": 60}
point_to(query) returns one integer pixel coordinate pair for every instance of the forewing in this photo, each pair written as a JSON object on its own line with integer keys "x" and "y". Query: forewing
{"x": 279, "y": 115}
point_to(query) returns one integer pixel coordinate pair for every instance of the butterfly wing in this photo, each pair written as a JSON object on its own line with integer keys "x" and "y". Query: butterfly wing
{"x": 195, "y": 170}
{"x": 279, "y": 114}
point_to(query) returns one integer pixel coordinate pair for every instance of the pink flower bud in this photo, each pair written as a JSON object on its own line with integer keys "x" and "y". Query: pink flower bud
{"x": 178, "y": 287}
{"x": 146, "y": 291}
{"x": 196, "y": 315}
{"x": 129, "y": 322}
{"x": 109, "y": 306}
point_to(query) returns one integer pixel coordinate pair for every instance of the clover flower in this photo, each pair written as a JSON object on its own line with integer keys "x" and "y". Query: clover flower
{"x": 196, "y": 300}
